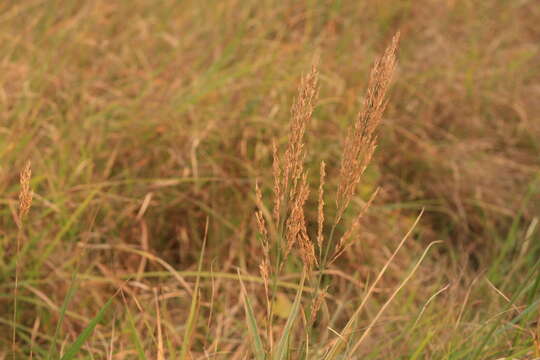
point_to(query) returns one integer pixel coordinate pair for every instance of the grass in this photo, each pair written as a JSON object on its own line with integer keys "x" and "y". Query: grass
{"x": 247, "y": 179}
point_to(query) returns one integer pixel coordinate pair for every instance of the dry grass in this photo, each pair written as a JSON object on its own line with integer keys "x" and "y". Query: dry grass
{"x": 148, "y": 137}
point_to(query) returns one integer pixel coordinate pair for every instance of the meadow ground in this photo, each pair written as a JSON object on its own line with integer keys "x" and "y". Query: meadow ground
{"x": 162, "y": 189}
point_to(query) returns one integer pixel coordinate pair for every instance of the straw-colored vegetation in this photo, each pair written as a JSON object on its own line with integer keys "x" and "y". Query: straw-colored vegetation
{"x": 269, "y": 179}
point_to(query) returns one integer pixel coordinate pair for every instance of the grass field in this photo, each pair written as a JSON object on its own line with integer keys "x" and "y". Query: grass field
{"x": 268, "y": 179}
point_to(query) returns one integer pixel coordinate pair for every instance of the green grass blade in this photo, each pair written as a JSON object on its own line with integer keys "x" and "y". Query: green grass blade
{"x": 67, "y": 226}
{"x": 194, "y": 308}
{"x": 283, "y": 344}
{"x": 71, "y": 291}
{"x": 258, "y": 348}
{"x": 135, "y": 336}
{"x": 422, "y": 346}
{"x": 75, "y": 347}
{"x": 494, "y": 329}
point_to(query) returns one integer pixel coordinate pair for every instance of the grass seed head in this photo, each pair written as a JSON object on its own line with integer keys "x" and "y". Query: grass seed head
{"x": 361, "y": 138}
{"x": 296, "y": 230}
{"x": 264, "y": 269}
{"x": 261, "y": 223}
{"x": 320, "y": 209}
{"x": 301, "y": 112}
{"x": 290, "y": 178}
{"x": 25, "y": 194}
{"x": 278, "y": 185}
{"x": 316, "y": 304}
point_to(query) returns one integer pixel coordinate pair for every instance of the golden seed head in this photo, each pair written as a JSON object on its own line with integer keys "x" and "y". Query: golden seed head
{"x": 261, "y": 223}
{"x": 320, "y": 209}
{"x": 264, "y": 269}
{"x": 278, "y": 186}
{"x": 290, "y": 178}
{"x": 25, "y": 194}
{"x": 361, "y": 138}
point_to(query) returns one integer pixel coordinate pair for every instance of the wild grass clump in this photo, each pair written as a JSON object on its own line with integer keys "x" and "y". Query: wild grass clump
{"x": 284, "y": 229}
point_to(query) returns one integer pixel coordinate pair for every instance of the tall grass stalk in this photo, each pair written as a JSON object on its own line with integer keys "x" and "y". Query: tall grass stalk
{"x": 25, "y": 202}
{"x": 287, "y": 230}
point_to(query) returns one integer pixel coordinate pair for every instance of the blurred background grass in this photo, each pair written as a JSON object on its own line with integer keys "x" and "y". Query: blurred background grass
{"x": 144, "y": 118}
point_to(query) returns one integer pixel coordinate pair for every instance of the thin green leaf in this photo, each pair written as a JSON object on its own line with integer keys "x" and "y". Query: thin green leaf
{"x": 258, "y": 348}
{"x": 422, "y": 346}
{"x": 74, "y": 348}
{"x": 194, "y": 308}
{"x": 282, "y": 346}
{"x": 135, "y": 336}
{"x": 71, "y": 291}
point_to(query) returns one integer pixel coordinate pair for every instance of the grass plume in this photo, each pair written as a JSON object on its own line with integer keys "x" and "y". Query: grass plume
{"x": 361, "y": 138}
